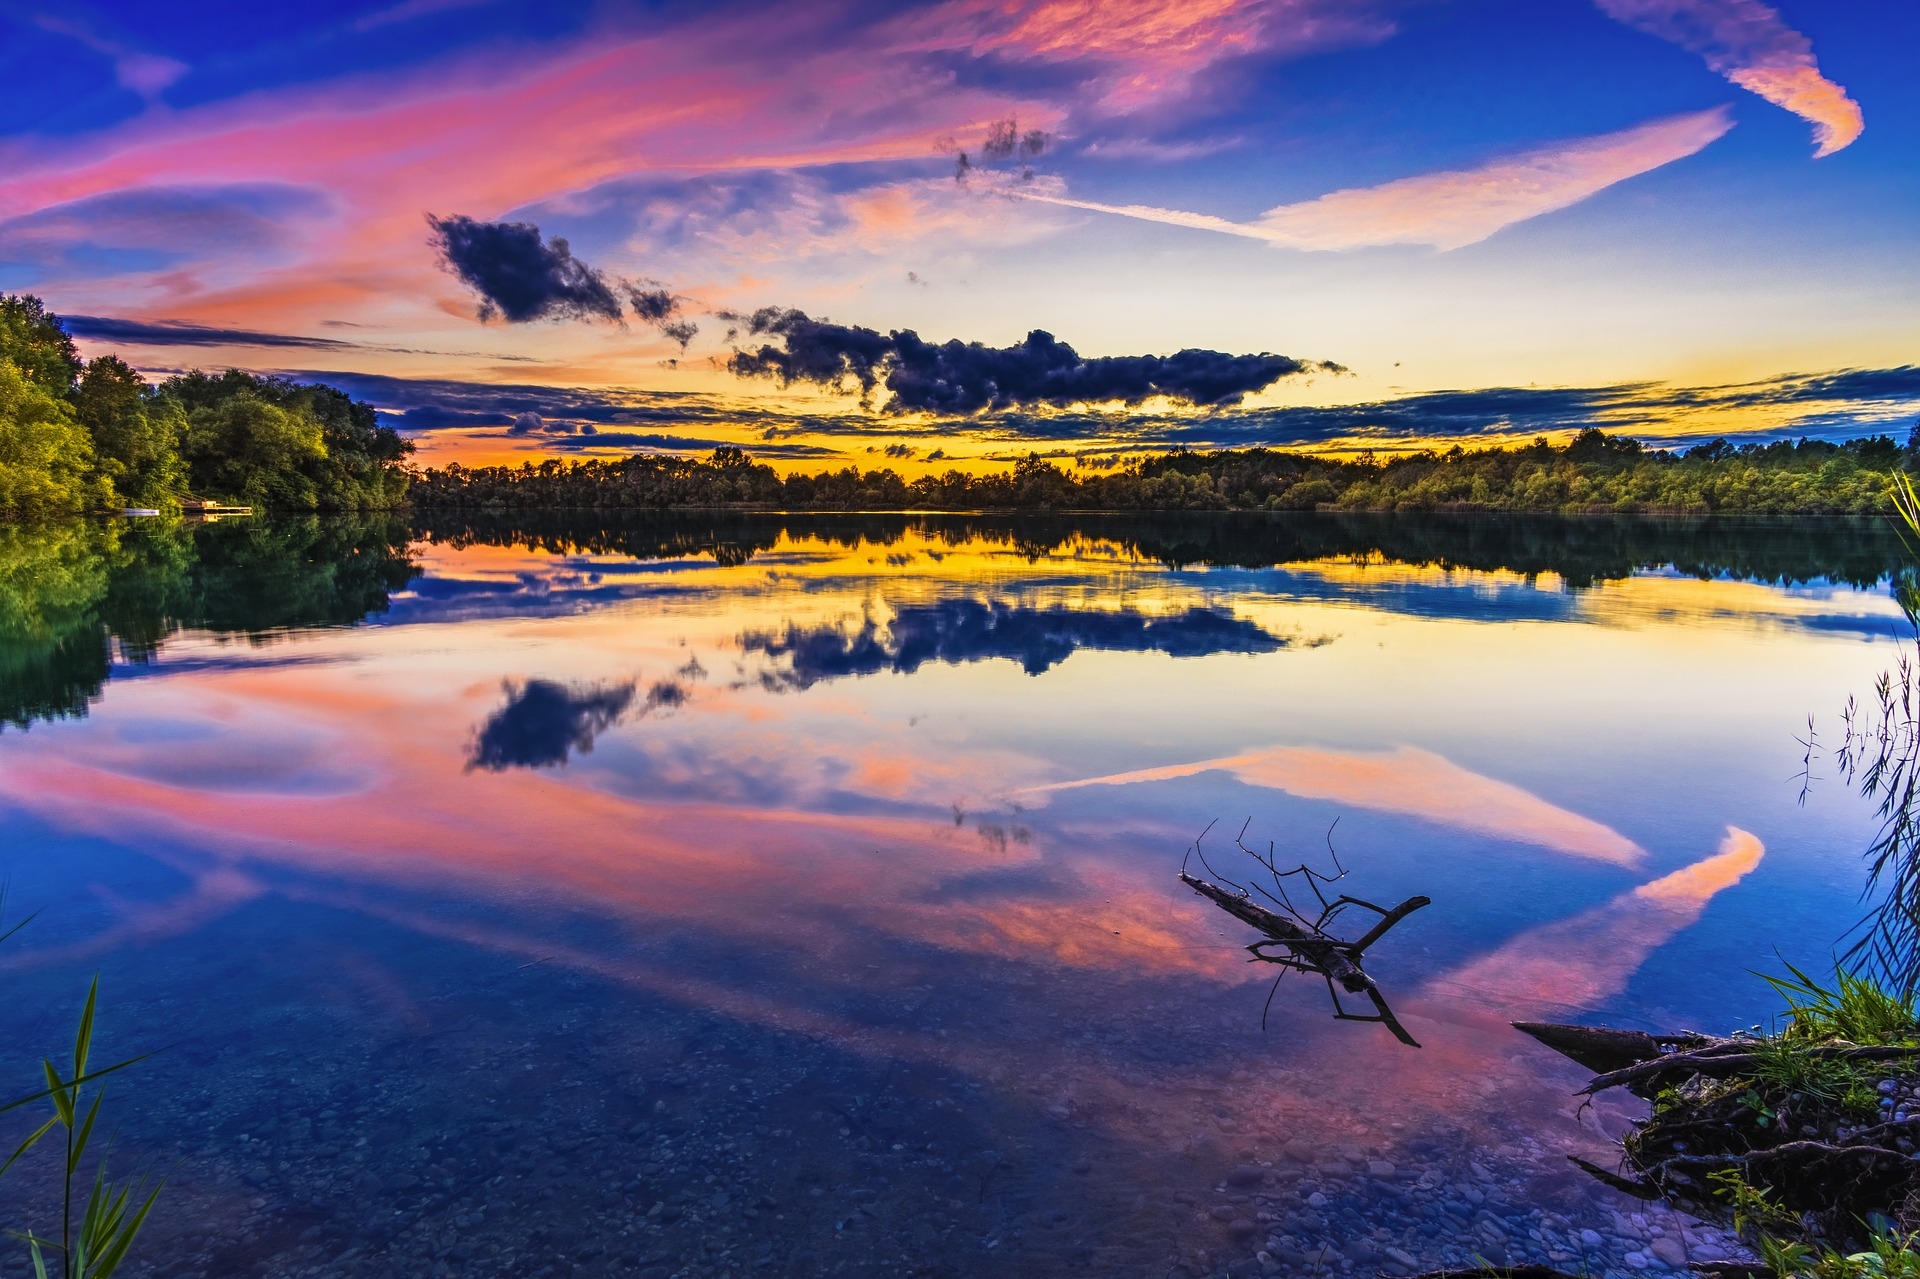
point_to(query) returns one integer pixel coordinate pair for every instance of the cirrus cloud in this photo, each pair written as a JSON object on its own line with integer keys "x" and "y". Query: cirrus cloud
{"x": 1749, "y": 43}
{"x": 1452, "y": 209}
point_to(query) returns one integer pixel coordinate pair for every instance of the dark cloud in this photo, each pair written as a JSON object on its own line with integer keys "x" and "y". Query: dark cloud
{"x": 177, "y": 333}
{"x": 590, "y": 438}
{"x": 518, "y": 276}
{"x": 521, "y": 278}
{"x": 543, "y": 723}
{"x": 654, "y": 305}
{"x": 968, "y": 630}
{"x": 1836, "y": 405}
{"x": 965, "y": 378}
{"x": 103, "y": 328}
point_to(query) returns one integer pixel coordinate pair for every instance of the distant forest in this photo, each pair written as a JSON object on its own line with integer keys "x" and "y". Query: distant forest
{"x": 78, "y": 436}
{"x": 1593, "y": 473}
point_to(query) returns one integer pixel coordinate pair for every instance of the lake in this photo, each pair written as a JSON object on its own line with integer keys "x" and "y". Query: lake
{"x": 730, "y": 894}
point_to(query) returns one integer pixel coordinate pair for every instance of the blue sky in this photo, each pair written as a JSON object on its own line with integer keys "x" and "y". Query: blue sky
{"x": 1617, "y": 198}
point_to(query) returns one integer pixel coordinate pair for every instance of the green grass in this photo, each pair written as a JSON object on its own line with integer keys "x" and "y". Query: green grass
{"x": 1855, "y": 1009}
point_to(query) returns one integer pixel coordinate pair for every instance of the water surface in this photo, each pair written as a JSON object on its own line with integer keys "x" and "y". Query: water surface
{"x": 727, "y": 895}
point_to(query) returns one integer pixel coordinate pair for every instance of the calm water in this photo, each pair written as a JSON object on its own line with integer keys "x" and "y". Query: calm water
{"x": 786, "y": 896}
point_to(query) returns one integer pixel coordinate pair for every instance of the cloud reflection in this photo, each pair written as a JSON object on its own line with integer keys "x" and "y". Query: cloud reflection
{"x": 969, "y": 630}
{"x": 1404, "y": 780}
{"x": 1577, "y": 964}
{"x": 543, "y": 723}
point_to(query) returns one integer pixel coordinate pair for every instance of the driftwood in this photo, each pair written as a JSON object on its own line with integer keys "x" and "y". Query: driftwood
{"x": 1303, "y": 944}
{"x": 1602, "y": 1049}
{"x": 1718, "y": 1111}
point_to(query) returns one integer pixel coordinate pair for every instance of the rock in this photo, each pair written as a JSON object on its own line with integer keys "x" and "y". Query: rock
{"x": 1242, "y": 1230}
{"x": 1591, "y": 1240}
{"x": 1316, "y": 1200}
{"x": 1247, "y": 1175}
{"x": 1224, "y": 1212}
{"x": 1637, "y": 1260}
{"x": 1670, "y": 1251}
{"x": 1303, "y": 1151}
{"x": 1339, "y": 1169}
{"x": 1380, "y": 1168}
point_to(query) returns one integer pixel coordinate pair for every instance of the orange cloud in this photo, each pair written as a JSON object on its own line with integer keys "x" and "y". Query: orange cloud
{"x": 1411, "y": 781}
{"x": 1453, "y": 209}
{"x": 1749, "y": 43}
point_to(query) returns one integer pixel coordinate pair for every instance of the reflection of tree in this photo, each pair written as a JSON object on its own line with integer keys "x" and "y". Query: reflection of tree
{"x": 67, "y": 590}
{"x": 53, "y": 652}
{"x": 1582, "y": 550}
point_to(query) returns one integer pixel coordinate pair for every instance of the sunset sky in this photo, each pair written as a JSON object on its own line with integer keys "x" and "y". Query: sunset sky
{"x": 1677, "y": 218}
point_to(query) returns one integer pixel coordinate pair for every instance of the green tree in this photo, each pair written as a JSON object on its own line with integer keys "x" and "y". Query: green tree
{"x": 243, "y": 447}
{"x": 136, "y": 434}
{"x": 357, "y": 466}
{"x": 46, "y": 457}
{"x": 31, "y": 336}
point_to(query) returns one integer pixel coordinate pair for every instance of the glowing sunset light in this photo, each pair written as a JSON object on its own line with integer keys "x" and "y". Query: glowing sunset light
{"x": 1476, "y": 244}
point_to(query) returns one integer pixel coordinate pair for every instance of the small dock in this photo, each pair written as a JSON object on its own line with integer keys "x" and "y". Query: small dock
{"x": 201, "y": 508}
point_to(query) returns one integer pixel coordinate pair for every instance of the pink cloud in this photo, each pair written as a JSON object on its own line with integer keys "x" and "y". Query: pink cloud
{"x": 1572, "y": 965}
{"x": 1452, "y": 209}
{"x": 1406, "y": 780}
{"x": 1749, "y": 43}
{"x": 1149, "y": 48}
{"x": 485, "y": 138}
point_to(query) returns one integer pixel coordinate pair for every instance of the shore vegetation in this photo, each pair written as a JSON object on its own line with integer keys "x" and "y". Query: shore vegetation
{"x": 1593, "y": 473}
{"x": 87, "y": 435}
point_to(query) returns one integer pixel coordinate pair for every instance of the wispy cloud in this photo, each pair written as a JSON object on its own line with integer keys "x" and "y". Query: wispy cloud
{"x": 1141, "y": 51}
{"x": 1749, "y": 43}
{"x": 1404, "y": 780}
{"x": 146, "y": 74}
{"x": 1453, "y": 209}
{"x": 1578, "y": 964}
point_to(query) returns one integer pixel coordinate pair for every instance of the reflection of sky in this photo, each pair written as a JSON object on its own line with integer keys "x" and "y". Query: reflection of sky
{"x": 779, "y": 852}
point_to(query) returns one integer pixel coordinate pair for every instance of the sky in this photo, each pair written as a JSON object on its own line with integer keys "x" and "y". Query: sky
{"x": 576, "y": 229}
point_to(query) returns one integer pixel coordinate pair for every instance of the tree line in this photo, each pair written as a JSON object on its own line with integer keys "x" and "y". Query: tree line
{"x": 88, "y": 435}
{"x": 1593, "y": 473}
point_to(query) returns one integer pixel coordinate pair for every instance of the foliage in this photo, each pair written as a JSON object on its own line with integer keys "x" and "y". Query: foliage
{"x": 1785, "y": 1067}
{"x": 34, "y": 340}
{"x": 1595, "y": 472}
{"x": 136, "y": 434}
{"x": 284, "y": 445}
{"x": 1880, "y": 752}
{"x": 1889, "y": 1254}
{"x": 111, "y": 1214}
{"x": 46, "y": 457}
{"x": 76, "y": 437}
{"x": 1855, "y": 1008}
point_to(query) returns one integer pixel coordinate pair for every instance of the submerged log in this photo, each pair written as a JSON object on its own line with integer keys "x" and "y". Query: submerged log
{"x": 1603, "y": 1049}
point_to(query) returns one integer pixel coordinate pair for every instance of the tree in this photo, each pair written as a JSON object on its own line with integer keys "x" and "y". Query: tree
{"x": 356, "y": 465}
{"x": 46, "y": 457}
{"x": 244, "y": 447}
{"x": 136, "y": 434}
{"x": 31, "y": 337}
